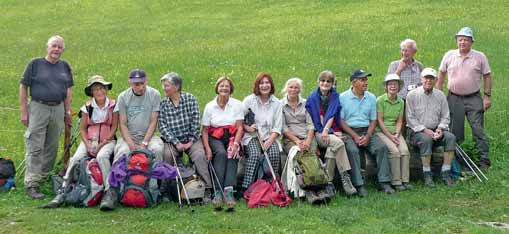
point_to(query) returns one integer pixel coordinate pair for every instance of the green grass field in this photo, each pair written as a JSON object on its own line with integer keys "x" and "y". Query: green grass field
{"x": 201, "y": 40}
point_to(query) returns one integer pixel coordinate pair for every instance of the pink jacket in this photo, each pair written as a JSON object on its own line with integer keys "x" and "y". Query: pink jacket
{"x": 99, "y": 130}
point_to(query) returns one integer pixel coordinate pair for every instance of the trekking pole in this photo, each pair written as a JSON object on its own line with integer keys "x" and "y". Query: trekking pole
{"x": 468, "y": 164}
{"x": 268, "y": 160}
{"x": 466, "y": 156}
{"x": 179, "y": 176}
{"x": 214, "y": 177}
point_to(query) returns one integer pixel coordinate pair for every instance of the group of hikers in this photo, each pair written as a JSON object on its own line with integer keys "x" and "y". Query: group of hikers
{"x": 344, "y": 125}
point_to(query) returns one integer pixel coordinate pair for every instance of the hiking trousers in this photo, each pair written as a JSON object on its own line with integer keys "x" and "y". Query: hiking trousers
{"x": 399, "y": 159}
{"x": 197, "y": 155}
{"x": 335, "y": 151}
{"x": 376, "y": 148}
{"x": 45, "y": 124}
{"x": 253, "y": 152}
{"x": 472, "y": 107}
{"x": 103, "y": 159}
{"x": 225, "y": 168}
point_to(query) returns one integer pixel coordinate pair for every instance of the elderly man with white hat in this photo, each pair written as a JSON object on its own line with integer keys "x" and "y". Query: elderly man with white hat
{"x": 466, "y": 69}
{"x": 427, "y": 115}
{"x": 390, "y": 110}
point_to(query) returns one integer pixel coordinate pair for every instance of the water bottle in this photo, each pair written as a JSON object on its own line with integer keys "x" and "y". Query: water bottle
{"x": 94, "y": 142}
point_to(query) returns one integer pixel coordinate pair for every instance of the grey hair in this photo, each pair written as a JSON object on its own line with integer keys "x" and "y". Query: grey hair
{"x": 412, "y": 43}
{"x": 55, "y": 38}
{"x": 174, "y": 80}
{"x": 297, "y": 80}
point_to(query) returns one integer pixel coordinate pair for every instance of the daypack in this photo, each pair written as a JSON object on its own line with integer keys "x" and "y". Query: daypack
{"x": 7, "y": 174}
{"x": 139, "y": 188}
{"x": 262, "y": 192}
{"x": 7, "y": 168}
{"x": 88, "y": 188}
{"x": 195, "y": 187}
{"x": 309, "y": 171}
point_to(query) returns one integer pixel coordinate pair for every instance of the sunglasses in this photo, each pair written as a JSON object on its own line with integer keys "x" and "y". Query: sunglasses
{"x": 327, "y": 81}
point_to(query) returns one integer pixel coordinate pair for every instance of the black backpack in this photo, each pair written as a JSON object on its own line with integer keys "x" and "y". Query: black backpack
{"x": 7, "y": 168}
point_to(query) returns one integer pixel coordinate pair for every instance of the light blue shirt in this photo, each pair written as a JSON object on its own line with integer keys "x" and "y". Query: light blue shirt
{"x": 356, "y": 112}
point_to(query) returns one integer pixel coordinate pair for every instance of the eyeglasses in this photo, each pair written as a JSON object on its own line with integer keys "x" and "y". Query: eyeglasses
{"x": 327, "y": 81}
{"x": 98, "y": 88}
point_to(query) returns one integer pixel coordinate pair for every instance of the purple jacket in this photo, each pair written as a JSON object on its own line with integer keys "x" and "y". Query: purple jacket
{"x": 160, "y": 171}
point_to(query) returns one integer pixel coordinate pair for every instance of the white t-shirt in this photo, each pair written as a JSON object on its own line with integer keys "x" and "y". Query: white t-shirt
{"x": 214, "y": 116}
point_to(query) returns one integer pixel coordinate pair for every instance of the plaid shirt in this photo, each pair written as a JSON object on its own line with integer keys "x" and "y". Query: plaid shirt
{"x": 179, "y": 123}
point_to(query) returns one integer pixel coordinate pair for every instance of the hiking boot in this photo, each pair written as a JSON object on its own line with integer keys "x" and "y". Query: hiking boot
{"x": 229, "y": 198}
{"x": 57, "y": 201}
{"x": 109, "y": 200}
{"x": 34, "y": 193}
{"x": 446, "y": 177}
{"x": 362, "y": 191}
{"x": 428, "y": 180}
{"x": 207, "y": 197}
{"x": 311, "y": 196}
{"x": 217, "y": 201}
{"x": 408, "y": 186}
{"x": 399, "y": 187}
{"x": 386, "y": 188}
{"x": 347, "y": 183}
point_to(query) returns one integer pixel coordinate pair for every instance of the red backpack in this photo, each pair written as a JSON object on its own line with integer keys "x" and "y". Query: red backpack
{"x": 139, "y": 189}
{"x": 89, "y": 187}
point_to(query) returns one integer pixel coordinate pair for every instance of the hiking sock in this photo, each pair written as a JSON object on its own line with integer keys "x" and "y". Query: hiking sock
{"x": 446, "y": 167}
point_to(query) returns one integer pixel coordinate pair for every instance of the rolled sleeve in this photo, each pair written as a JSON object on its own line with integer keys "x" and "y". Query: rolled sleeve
{"x": 444, "y": 115}
{"x": 278, "y": 119}
{"x": 309, "y": 122}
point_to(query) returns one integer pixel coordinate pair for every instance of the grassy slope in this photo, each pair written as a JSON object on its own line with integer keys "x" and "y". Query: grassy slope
{"x": 201, "y": 40}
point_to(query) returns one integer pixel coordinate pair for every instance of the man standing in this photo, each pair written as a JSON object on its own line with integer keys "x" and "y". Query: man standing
{"x": 44, "y": 115}
{"x": 465, "y": 68}
{"x": 179, "y": 124}
{"x": 407, "y": 68}
{"x": 138, "y": 109}
{"x": 358, "y": 119}
{"x": 427, "y": 116}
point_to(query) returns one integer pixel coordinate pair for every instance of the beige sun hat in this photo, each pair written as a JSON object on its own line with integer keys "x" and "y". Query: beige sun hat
{"x": 96, "y": 79}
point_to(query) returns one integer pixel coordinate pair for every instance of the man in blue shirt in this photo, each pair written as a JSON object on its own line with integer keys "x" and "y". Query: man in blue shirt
{"x": 358, "y": 119}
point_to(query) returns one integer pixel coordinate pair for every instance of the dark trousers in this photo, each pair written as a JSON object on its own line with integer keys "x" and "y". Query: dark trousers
{"x": 226, "y": 168}
{"x": 470, "y": 106}
{"x": 376, "y": 148}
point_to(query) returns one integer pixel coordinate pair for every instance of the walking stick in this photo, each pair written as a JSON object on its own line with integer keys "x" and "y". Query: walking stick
{"x": 264, "y": 151}
{"x": 179, "y": 176}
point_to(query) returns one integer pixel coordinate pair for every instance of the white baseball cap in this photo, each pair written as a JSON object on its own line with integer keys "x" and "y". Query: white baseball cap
{"x": 429, "y": 72}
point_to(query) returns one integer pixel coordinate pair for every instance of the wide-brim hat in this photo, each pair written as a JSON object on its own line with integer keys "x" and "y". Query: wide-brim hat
{"x": 96, "y": 79}
{"x": 392, "y": 76}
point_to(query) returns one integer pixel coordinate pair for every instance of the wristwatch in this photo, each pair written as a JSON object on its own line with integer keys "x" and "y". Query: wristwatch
{"x": 144, "y": 143}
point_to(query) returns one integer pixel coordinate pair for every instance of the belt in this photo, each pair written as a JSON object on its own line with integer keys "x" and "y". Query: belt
{"x": 467, "y": 95}
{"x": 55, "y": 103}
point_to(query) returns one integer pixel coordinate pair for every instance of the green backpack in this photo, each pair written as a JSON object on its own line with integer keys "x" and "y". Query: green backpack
{"x": 309, "y": 171}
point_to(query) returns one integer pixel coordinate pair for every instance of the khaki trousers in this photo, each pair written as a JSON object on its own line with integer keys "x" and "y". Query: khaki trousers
{"x": 335, "y": 156}
{"x": 399, "y": 159}
{"x": 45, "y": 124}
